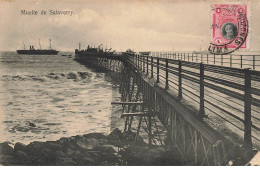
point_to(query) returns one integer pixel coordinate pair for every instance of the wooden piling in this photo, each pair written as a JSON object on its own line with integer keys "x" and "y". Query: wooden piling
{"x": 150, "y": 129}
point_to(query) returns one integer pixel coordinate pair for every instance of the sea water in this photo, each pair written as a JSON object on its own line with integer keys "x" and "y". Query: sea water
{"x": 46, "y": 97}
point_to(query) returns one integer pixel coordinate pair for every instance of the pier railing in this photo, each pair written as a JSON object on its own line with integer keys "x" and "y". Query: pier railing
{"x": 187, "y": 97}
{"x": 231, "y": 95}
{"x": 230, "y": 60}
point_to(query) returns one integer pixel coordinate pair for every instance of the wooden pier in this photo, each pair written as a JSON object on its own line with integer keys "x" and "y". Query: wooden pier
{"x": 186, "y": 97}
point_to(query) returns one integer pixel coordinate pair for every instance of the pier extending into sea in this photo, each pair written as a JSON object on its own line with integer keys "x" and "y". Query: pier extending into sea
{"x": 209, "y": 112}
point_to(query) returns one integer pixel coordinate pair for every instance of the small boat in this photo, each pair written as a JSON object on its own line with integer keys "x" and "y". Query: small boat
{"x": 66, "y": 54}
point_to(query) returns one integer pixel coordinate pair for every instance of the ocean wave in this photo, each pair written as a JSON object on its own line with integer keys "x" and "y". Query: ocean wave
{"x": 54, "y": 76}
{"x": 26, "y": 127}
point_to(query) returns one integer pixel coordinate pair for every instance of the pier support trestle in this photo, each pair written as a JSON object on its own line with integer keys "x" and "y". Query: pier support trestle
{"x": 139, "y": 116}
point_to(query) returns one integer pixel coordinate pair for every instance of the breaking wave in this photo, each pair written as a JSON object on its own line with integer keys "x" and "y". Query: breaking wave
{"x": 55, "y": 76}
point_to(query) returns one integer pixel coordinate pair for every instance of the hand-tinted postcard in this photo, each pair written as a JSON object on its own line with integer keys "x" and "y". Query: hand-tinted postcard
{"x": 129, "y": 83}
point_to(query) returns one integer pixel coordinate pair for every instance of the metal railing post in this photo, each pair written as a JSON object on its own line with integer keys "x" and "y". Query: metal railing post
{"x": 166, "y": 76}
{"x": 135, "y": 60}
{"x": 180, "y": 81}
{"x": 143, "y": 63}
{"x": 157, "y": 70}
{"x": 214, "y": 59}
{"x": 254, "y": 62}
{"x": 138, "y": 57}
{"x": 241, "y": 59}
{"x": 221, "y": 59}
{"x": 147, "y": 66}
{"x": 202, "y": 109}
{"x": 151, "y": 67}
{"x": 207, "y": 58}
{"x": 247, "y": 111}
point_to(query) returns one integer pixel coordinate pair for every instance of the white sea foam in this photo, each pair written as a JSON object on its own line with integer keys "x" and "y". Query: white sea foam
{"x": 48, "y": 97}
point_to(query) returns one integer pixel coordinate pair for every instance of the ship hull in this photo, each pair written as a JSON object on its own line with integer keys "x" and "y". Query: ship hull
{"x": 38, "y": 52}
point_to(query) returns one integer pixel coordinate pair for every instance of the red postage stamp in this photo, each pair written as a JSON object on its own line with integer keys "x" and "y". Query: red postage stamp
{"x": 229, "y": 28}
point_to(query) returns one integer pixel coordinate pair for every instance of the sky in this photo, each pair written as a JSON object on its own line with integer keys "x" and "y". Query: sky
{"x": 148, "y": 25}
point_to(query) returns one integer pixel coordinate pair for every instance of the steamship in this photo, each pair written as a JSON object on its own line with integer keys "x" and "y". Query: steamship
{"x": 33, "y": 51}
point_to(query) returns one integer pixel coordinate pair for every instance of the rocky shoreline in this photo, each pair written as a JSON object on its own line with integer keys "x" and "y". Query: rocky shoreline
{"x": 93, "y": 149}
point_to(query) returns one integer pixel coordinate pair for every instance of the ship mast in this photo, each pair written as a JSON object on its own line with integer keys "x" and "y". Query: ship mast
{"x": 23, "y": 46}
{"x": 40, "y": 44}
{"x": 50, "y": 43}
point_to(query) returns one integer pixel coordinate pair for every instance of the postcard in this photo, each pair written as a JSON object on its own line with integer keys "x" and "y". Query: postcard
{"x": 129, "y": 83}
